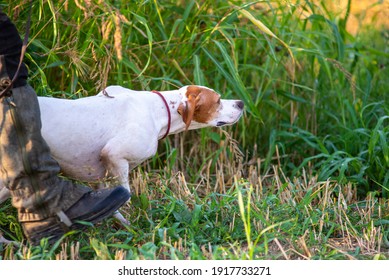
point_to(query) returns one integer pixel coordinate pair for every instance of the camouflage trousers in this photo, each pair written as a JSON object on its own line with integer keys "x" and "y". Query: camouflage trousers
{"x": 26, "y": 166}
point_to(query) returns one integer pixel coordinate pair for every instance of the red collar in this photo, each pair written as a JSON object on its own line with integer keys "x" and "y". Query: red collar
{"x": 168, "y": 113}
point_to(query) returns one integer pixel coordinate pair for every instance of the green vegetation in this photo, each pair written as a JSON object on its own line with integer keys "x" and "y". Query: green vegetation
{"x": 304, "y": 174}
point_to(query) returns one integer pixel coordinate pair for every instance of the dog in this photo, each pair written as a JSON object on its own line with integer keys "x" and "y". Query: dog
{"x": 109, "y": 134}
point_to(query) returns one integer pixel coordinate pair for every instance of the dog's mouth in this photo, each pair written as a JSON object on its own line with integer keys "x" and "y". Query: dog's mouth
{"x": 221, "y": 124}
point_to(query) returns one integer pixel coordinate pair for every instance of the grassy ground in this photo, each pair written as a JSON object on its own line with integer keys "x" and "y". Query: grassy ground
{"x": 303, "y": 175}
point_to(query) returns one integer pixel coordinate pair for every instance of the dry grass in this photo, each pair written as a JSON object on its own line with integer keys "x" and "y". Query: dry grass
{"x": 297, "y": 218}
{"x": 311, "y": 182}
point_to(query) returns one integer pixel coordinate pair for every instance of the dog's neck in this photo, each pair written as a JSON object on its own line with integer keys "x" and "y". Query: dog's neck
{"x": 173, "y": 99}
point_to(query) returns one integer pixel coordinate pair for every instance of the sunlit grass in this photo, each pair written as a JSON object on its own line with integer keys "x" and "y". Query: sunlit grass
{"x": 303, "y": 175}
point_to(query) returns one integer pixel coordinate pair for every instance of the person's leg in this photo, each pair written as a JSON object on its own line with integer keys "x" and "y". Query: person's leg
{"x": 47, "y": 204}
{"x": 27, "y": 168}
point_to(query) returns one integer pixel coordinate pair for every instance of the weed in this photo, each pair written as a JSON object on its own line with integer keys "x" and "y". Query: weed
{"x": 312, "y": 180}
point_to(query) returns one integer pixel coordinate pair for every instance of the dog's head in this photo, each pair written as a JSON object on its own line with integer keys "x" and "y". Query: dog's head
{"x": 202, "y": 107}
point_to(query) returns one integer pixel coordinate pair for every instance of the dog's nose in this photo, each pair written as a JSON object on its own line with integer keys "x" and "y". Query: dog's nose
{"x": 239, "y": 104}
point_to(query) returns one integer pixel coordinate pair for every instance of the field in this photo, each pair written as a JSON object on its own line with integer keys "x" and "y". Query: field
{"x": 303, "y": 175}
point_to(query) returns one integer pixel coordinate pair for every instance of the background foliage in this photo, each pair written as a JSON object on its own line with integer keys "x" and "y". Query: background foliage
{"x": 316, "y": 121}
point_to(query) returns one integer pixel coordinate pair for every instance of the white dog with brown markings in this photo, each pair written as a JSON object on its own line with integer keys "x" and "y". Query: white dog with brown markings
{"x": 111, "y": 133}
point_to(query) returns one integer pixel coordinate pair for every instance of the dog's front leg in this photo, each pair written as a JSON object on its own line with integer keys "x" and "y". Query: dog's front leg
{"x": 117, "y": 215}
{"x": 118, "y": 168}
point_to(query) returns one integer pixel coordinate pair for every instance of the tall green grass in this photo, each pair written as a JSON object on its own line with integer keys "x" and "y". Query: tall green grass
{"x": 317, "y": 106}
{"x": 311, "y": 89}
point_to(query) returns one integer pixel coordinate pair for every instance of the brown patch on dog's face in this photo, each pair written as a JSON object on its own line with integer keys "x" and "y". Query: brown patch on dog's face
{"x": 201, "y": 106}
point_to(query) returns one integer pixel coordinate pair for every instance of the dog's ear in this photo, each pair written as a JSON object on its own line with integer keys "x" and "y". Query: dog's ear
{"x": 187, "y": 109}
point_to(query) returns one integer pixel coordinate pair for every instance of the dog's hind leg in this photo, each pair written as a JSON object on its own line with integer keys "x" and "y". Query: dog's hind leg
{"x": 6, "y": 241}
{"x": 4, "y": 193}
